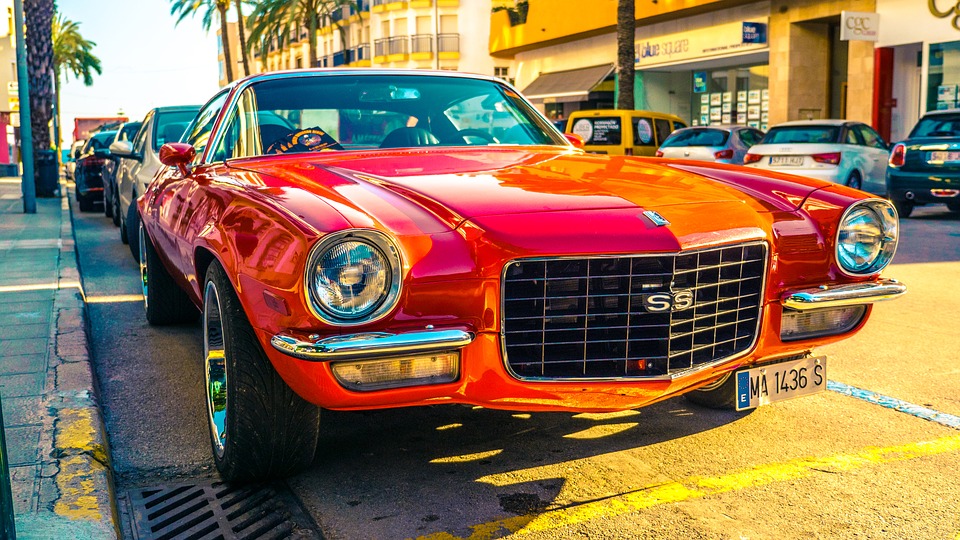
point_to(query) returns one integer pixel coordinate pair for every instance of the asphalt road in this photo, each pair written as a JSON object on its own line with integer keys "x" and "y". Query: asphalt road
{"x": 831, "y": 465}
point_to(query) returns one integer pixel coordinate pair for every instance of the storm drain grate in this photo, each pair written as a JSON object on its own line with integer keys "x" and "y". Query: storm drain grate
{"x": 214, "y": 510}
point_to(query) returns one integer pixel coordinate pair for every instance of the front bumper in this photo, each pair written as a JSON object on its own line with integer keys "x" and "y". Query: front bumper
{"x": 372, "y": 345}
{"x": 844, "y": 295}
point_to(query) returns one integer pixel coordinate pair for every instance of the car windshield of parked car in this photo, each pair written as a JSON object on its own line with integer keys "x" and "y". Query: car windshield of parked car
{"x": 697, "y": 137}
{"x": 941, "y": 125}
{"x": 99, "y": 141}
{"x": 170, "y": 127}
{"x": 802, "y": 134}
{"x": 366, "y": 112}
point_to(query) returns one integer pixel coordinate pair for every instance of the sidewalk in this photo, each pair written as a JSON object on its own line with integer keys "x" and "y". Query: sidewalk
{"x": 56, "y": 441}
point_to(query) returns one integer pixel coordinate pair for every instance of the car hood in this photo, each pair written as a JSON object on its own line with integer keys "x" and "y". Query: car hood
{"x": 461, "y": 185}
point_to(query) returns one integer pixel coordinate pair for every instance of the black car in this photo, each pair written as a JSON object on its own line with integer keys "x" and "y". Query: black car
{"x": 925, "y": 168}
{"x": 89, "y": 172}
{"x": 126, "y": 132}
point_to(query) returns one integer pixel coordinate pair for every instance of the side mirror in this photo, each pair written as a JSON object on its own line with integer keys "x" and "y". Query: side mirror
{"x": 178, "y": 155}
{"x": 574, "y": 139}
{"x": 122, "y": 149}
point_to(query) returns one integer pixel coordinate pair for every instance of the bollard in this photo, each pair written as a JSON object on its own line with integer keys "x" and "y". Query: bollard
{"x": 7, "y": 524}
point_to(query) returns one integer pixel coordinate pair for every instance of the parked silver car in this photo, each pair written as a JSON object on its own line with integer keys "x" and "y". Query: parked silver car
{"x": 139, "y": 163}
{"x": 839, "y": 151}
{"x": 723, "y": 143}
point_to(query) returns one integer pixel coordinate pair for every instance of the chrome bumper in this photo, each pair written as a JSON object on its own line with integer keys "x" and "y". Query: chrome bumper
{"x": 844, "y": 295}
{"x": 372, "y": 345}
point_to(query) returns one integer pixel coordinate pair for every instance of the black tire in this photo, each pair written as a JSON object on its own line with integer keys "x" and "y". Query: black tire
{"x": 84, "y": 202}
{"x": 163, "y": 300}
{"x": 108, "y": 203}
{"x": 132, "y": 228}
{"x": 903, "y": 206}
{"x": 115, "y": 213}
{"x": 123, "y": 230}
{"x": 721, "y": 394}
{"x": 855, "y": 181}
{"x": 259, "y": 428}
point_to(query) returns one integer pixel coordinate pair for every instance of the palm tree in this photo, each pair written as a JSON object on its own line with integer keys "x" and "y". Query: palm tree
{"x": 71, "y": 55}
{"x": 244, "y": 54}
{"x": 185, "y": 8}
{"x": 626, "y": 30}
{"x": 276, "y": 19}
{"x": 38, "y": 18}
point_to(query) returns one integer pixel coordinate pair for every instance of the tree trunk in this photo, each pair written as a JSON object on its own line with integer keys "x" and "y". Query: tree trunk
{"x": 312, "y": 38}
{"x": 225, "y": 40}
{"x": 241, "y": 28}
{"x": 56, "y": 121}
{"x": 38, "y": 18}
{"x": 626, "y": 31}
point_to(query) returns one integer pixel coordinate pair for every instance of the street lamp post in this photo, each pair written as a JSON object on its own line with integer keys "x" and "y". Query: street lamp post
{"x": 27, "y": 183}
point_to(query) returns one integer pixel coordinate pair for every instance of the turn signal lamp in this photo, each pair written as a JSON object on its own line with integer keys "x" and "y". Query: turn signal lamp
{"x": 659, "y": 153}
{"x": 898, "y": 156}
{"x": 752, "y": 158}
{"x": 796, "y": 325}
{"x": 831, "y": 158}
{"x": 420, "y": 370}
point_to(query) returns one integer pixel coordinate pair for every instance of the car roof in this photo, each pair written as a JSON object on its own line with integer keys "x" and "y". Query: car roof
{"x": 177, "y": 108}
{"x": 828, "y": 122}
{"x": 940, "y": 113}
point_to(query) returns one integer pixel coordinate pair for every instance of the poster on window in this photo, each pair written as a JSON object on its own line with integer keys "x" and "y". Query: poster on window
{"x": 705, "y": 109}
{"x": 755, "y": 125}
{"x": 753, "y": 97}
{"x": 705, "y": 99}
{"x": 728, "y": 97}
{"x": 947, "y": 92}
{"x": 705, "y": 119}
{"x": 765, "y": 94}
{"x": 742, "y": 106}
{"x": 741, "y": 118}
{"x": 742, "y": 96}
{"x": 753, "y": 112}
{"x": 716, "y": 114}
{"x": 725, "y": 119}
{"x": 764, "y": 105}
{"x": 716, "y": 99}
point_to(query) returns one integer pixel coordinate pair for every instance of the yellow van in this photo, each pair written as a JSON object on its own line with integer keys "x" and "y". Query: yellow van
{"x": 621, "y": 132}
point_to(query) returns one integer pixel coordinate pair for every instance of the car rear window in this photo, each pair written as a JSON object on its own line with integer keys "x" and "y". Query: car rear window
{"x": 802, "y": 134}
{"x": 941, "y": 125}
{"x": 170, "y": 127}
{"x": 599, "y": 130}
{"x": 697, "y": 137}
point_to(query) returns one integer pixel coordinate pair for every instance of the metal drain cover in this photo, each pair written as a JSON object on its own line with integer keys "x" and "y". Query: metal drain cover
{"x": 215, "y": 510}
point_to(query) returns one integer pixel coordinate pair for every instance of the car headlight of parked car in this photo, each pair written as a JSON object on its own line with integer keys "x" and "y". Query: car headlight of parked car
{"x": 353, "y": 277}
{"x": 867, "y": 237}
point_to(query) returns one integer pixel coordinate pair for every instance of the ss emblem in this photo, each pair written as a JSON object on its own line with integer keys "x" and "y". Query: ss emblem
{"x": 671, "y": 301}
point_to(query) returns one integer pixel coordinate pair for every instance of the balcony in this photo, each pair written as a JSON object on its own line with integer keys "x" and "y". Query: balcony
{"x": 380, "y": 6}
{"x": 380, "y": 47}
{"x": 398, "y": 48}
{"x": 449, "y": 46}
{"x": 421, "y": 47}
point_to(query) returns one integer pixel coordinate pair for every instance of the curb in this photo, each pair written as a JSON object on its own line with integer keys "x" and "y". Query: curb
{"x": 85, "y": 505}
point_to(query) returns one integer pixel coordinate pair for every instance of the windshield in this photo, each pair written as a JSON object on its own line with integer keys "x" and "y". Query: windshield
{"x": 802, "y": 134}
{"x": 697, "y": 137}
{"x": 170, "y": 127}
{"x": 364, "y": 112}
{"x": 99, "y": 141}
{"x": 940, "y": 125}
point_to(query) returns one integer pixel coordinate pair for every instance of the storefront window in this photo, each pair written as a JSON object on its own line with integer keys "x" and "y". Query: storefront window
{"x": 734, "y": 95}
{"x": 944, "y": 76}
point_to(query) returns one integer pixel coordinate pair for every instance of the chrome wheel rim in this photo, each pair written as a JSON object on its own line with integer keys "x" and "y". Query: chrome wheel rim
{"x": 214, "y": 361}
{"x": 141, "y": 237}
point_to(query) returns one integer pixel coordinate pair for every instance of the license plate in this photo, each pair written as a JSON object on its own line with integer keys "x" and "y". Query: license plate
{"x": 781, "y": 381}
{"x": 786, "y": 161}
{"x": 943, "y": 157}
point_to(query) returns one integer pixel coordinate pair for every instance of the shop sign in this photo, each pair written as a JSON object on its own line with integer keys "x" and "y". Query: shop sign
{"x": 859, "y": 26}
{"x": 699, "y": 82}
{"x": 720, "y": 40}
{"x": 955, "y": 11}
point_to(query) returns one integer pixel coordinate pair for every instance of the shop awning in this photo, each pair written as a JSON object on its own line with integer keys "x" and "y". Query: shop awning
{"x": 570, "y": 85}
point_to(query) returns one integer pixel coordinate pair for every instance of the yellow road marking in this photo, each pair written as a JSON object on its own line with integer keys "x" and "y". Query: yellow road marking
{"x": 78, "y": 498}
{"x": 695, "y": 487}
{"x": 115, "y": 298}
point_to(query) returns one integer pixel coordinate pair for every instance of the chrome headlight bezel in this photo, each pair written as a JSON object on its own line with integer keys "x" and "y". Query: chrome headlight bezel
{"x": 382, "y": 244}
{"x": 885, "y": 216}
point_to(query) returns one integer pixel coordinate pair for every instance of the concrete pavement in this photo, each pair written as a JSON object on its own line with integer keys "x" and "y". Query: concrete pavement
{"x": 56, "y": 442}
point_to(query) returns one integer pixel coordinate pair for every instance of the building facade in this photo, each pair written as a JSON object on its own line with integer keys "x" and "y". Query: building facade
{"x": 707, "y": 61}
{"x": 10, "y": 105}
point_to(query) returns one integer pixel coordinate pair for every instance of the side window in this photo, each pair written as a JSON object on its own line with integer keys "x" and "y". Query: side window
{"x": 642, "y": 131}
{"x": 750, "y": 137}
{"x": 199, "y": 130}
{"x": 852, "y": 137}
{"x": 140, "y": 139}
{"x": 241, "y": 131}
{"x": 678, "y": 125}
{"x": 871, "y": 137}
{"x": 663, "y": 130}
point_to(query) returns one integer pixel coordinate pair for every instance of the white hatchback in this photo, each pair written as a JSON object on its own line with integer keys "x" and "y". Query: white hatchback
{"x": 839, "y": 151}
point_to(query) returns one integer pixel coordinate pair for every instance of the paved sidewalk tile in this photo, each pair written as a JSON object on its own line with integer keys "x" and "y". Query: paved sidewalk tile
{"x": 27, "y": 384}
{"x": 21, "y": 411}
{"x": 19, "y": 365}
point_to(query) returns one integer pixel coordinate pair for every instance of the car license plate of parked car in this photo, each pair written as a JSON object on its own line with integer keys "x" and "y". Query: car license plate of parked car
{"x": 786, "y": 161}
{"x": 781, "y": 381}
{"x": 943, "y": 157}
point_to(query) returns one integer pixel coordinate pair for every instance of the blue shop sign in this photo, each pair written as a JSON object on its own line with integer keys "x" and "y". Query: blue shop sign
{"x": 754, "y": 32}
{"x": 699, "y": 82}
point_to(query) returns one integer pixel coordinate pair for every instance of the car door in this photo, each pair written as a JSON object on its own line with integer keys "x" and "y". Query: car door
{"x": 130, "y": 167}
{"x": 877, "y": 154}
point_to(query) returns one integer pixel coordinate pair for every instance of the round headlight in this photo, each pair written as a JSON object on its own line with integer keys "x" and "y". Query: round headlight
{"x": 867, "y": 237}
{"x": 353, "y": 277}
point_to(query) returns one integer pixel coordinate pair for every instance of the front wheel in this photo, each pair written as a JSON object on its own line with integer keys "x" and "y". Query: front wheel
{"x": 721, "y": 394}
{"x": 259, "y": 428}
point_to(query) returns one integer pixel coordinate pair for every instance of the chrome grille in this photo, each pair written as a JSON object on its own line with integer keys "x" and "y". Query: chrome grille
{"x": 583, "y": 318}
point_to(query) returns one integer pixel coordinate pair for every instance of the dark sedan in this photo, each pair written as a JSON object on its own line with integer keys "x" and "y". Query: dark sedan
{"x": 925, "y": 168}
{"x": 89, "y": 172}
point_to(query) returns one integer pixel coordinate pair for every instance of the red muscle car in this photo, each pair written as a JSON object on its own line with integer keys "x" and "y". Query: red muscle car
{"x": 369, "y": 239}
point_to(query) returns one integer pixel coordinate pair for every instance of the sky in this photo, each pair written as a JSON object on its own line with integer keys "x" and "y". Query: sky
{"x": 147, "y": 61}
